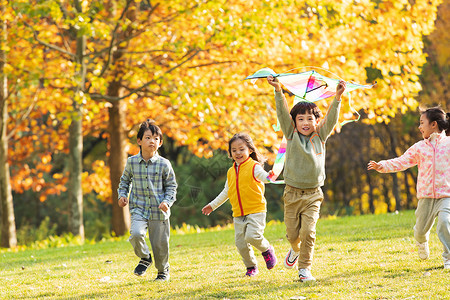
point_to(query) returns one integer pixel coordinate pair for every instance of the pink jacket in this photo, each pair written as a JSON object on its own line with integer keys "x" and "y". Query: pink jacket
{"x": 432, "y": 156}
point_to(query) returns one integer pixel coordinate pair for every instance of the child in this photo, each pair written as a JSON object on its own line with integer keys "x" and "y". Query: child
{"x": 432, "y": 155}
{"x": 152, "y": 194}
{"x": 245, "y": 189}
{"x": 304, "y": 173}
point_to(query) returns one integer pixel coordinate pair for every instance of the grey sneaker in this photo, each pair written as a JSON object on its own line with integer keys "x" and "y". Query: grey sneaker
{"x": 447, "y": 264}
{"x": 143, "y": 265}
{"x": 162, "y": 277}
{"x": 305, "y": 275}
{"x": 423, "y": 250}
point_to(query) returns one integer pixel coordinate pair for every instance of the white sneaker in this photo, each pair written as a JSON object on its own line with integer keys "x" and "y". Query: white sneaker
{"x": 305, "y": 275}
{"x": 291, "y": 259}
{"x": 423, "y": 250}
{"x": 446, "y": 263}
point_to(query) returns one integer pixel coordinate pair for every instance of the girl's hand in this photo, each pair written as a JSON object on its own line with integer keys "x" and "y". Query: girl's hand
{"x": 373, "y": 165}
{"x": 274, "y": 82}
{"x": 123, "y": 201}
{"x": 207, "y": 210}
{"x": 340, "y": 89}
{"x": 163, "y": 206}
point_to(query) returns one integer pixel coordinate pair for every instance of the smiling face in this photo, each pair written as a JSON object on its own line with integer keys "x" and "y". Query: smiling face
{"x": 149, "y": 143}
{"x": 239, "y": 151}
{"x": 427, "y": 128}
{"x": 306, "y": 123}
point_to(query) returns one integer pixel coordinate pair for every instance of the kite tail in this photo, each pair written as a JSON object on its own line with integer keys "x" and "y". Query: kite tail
{"x": 279, "y": 162}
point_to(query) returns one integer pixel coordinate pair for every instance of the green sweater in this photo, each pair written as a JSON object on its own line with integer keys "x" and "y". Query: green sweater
{"x": 304, "y": 167}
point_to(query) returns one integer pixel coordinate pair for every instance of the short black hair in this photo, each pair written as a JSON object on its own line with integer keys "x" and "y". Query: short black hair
{"x": 149, "y": 125}
{"x": 304, "y": 107}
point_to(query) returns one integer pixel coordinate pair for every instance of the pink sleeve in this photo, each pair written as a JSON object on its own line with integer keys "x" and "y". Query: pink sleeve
{"x": 407, "y": 160}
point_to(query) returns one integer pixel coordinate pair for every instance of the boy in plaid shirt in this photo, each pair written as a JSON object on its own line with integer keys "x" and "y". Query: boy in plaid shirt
{"x": 153, "y": 192}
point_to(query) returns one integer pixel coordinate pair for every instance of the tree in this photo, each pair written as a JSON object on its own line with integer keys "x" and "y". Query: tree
{"x": 8, "y": 224}
{"x": 183, "y": 65}
{"x": 436, "y": 73}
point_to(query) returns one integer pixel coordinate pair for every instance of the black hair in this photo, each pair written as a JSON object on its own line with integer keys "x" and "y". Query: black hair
{"x": 149, "y": 125}
{"x": 437, "y": 114}
{"x": 255, "y": 155}
{"x": 304, "y": 107}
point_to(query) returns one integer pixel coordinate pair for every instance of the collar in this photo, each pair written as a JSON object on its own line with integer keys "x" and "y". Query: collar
{"x": 244, "y": 162}
{"x": 153, "y": 159}
{"x": 436, "y": 136}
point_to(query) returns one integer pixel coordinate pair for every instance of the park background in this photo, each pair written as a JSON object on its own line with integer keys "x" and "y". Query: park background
{"x": 77, "y": 78}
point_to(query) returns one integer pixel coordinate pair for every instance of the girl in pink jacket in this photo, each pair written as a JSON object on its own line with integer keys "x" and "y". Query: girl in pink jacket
{"x": 432, "y": 156}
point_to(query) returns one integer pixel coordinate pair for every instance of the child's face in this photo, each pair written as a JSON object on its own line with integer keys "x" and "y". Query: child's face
{"x": 239, "y": 151}
{"x": 306, "y": 123}
{"x": 150, "y": 142}
{"x": 427, "y": 128}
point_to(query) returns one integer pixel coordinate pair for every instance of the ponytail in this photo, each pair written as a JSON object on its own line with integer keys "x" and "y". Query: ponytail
{"x": 447, "y": 130}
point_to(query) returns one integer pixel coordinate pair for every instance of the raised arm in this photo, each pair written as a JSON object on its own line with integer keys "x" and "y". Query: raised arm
{"x": 330, "y": 120}
{"x": 283, "y": 115}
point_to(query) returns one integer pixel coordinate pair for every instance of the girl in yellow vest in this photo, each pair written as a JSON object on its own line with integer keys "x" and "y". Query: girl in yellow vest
{"x": 245, "y": 189}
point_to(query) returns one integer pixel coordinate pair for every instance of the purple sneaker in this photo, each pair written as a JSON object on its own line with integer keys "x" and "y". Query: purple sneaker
{"x": 270, "y": 258}
{"x": 252, "y": 271}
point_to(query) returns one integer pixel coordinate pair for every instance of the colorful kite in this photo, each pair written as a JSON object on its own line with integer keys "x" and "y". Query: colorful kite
{"x": 306, "y": 86}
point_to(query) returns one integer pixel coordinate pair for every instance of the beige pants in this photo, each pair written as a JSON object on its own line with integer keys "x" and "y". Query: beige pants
{"x": 249, "y": 232}
{"x": 426, "y": 213}
{"x": 301, "y": 212}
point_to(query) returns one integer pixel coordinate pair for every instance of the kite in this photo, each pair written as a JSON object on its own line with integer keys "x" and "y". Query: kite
{"x": 306, "y": 86}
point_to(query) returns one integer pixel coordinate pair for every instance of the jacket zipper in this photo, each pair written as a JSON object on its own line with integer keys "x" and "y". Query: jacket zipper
{"x": 434, "y": 169}
{"x": 236, "y": 168}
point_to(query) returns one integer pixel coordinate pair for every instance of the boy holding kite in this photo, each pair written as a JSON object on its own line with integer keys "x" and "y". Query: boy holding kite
{"x": 304, "y": 172}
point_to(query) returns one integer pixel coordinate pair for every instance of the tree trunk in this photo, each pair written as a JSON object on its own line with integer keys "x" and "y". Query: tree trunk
{"x": 396, "y": 192}
{"x": 75, "y": 192}
{"x": 117, "y": 159}
{"x": 8, "y": 223}
{"x": 75, "y": 168}
{"x": 395, "y": 185}
{"x": 371, "y": 198}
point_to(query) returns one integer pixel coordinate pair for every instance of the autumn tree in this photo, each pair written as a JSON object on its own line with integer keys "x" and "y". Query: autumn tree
{"x": 182, "y": 64}
{"x": 8, "y": 225}
{"x": 436, "y": 73}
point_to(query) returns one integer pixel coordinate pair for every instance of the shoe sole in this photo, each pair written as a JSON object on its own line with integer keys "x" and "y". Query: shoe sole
{"x": 286, "y": 262}
{"x": 289, "y": 266}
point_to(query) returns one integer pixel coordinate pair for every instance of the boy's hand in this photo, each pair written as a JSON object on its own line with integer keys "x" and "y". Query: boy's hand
{"x": 274, "y": 82}
{"x": 340, "y": 89}
{"x": 163, "y": 206}
{"x": 207, "y": 210}
{"x": 373, "y": 165}
{"x": 123, "y": 201}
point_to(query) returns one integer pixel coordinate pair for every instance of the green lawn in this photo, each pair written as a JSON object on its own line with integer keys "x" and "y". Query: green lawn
{"x": 366, "y": 257}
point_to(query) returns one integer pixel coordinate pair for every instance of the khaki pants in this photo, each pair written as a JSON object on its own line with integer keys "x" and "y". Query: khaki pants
{"x": 301, "y": 212}
{"x": 249, "y": 232}
{"x": 426, "y": 212}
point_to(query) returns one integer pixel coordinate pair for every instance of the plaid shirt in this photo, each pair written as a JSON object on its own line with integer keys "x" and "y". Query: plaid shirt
{"x": 152, "y": 183}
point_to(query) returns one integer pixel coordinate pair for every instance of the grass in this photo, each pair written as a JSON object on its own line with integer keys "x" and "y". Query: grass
{"x": 364, "y": 257}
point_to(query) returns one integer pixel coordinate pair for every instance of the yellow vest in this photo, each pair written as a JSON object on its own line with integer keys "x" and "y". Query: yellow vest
{"x": 246, "y": 193}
